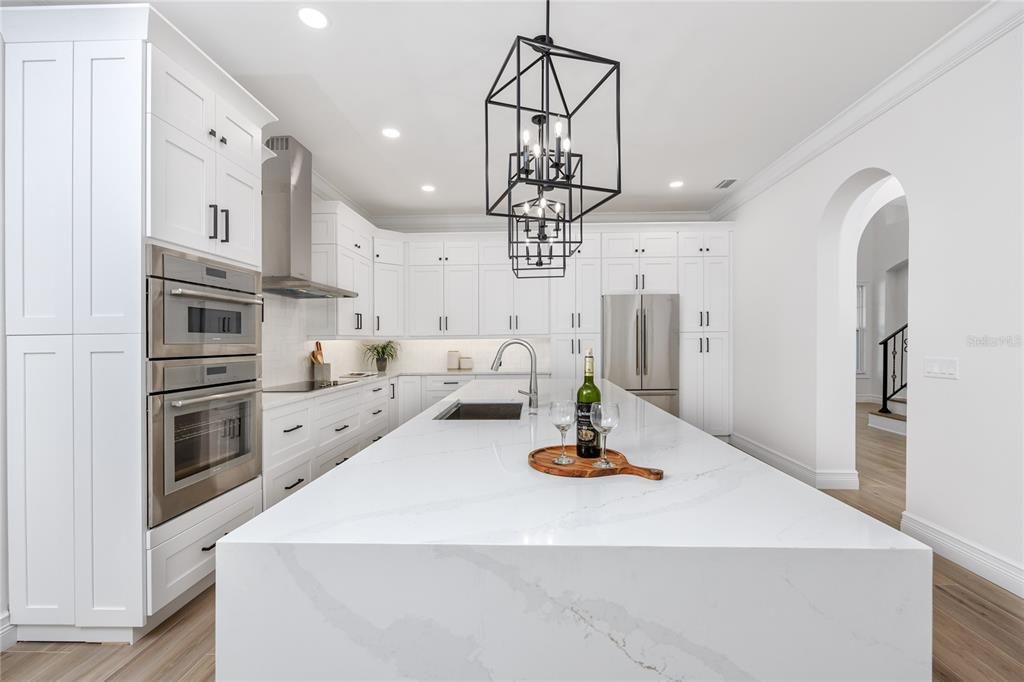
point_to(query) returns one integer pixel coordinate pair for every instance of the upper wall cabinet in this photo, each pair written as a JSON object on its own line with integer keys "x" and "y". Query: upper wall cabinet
{"x": 647, "y": 244}
{"x": 388, "y": 251}
{"x": 696, "y": 244}
{"x": 426, "y": 253}
{"x": 204, "y": 182}
{"x": 444, "y": 252}
{"x": 74, "y": 187}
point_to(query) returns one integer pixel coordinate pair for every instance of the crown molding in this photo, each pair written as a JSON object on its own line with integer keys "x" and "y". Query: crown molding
{"x": 478, "y": 222}
{"x": 325, "y": 190}
{"x": 975, "y": 33}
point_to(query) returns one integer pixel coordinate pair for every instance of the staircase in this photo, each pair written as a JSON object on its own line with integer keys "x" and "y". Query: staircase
{"x": 892, "y": 416}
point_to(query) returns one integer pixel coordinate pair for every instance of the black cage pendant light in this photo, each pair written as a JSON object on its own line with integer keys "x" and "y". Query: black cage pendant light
{"x": 536, "y": 134}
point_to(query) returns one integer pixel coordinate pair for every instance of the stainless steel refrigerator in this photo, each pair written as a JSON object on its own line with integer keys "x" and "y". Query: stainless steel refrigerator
{"x": 640, "y": 346}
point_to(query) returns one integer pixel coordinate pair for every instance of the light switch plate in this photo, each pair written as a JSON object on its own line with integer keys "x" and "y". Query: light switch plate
{"x": 942, "y": 368}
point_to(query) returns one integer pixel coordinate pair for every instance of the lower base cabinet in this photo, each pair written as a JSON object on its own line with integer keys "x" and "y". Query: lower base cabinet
{"x": 705, "y": 382}
{"x": 409, "y": 398}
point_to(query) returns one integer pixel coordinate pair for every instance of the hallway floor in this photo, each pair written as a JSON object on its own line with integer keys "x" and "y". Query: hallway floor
{"x": 977, "y": 627}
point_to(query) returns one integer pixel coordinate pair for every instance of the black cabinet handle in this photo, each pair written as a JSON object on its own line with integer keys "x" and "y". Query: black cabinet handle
{"x": 294, "y": 428}
{"x": 451, "y": 383}
{"x": 579, "y": 320}
{"x": 707, "y": 317}
{"x": 341, "y": 462}
{"x": 446, "y": 323}
{"x": 341, "y": 428}
{"x": 227, "y": 225}
{"x": 289, "y": 487}
{"x": 223, "y": 140}
{"x": 438, "y": 258}
{"x": 579, "y": 346}
{"x": 643, "y": 250}
{"x": 634, "y": 250}
{"x": 214, "y": 207}
{"x": 572, "y": 320}
{"x": 378, "y": 322}
{"x": 701, "y": 319}
{"x": 359, "y": 321}
{"x": 213, "y": 546}
{"x": 517, "y": 322}
{"x": 212, "y": 133}
{"x": 439, "y": 327}
{"x": 636, "y": 281}
{"x": 376, "y": 439}
{"x": 509, "y": 321}
{"x": 643, "y": 281}
{"x": 392, "y": 391}
{"x": 379, "y": 388}
{"x": 376, "y": 413}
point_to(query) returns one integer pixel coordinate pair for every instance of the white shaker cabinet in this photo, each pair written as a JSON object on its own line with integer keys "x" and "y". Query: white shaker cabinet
{"x": 182, "y": 189}
{"x": 705, "y": 384}
{"x": 238, "y": 139}
{"x": 658, "y": 244}
{"x": 362, "y": 305}
{"x": 425, "y": 300}
{"x": 388, "y": 299}
{"x": 181, "y": 99}
{"x": 497, "y": 300}
{"x": 389, "y": 251}
{"x": 704, "y": 297}
{"x": 41, "y": 469}
{"x": 461, "y": 316}
{"x": 410, "y": 396}
{"x": 240, "y": 208}
{"x": 658, "y": 275}
{"x": 38, "y": 187}
{"x": 108, "y": 187}
{"x": 532, "y": 303}
{"x": 576, "y": 298}
{"x": 620, "y": 275}
{"x": 109, "y": 499}
{"x": 703, "y": 243}
{"x": 567, "y": 354}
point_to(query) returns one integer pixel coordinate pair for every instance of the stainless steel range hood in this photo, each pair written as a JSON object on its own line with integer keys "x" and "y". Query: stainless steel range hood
{"x": 287, "y": 224}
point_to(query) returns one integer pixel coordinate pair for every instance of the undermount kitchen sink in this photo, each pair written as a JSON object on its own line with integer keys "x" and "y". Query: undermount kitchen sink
{"x": 482, "y": 411}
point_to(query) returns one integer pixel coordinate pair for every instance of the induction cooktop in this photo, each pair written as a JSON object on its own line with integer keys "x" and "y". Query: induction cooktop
{"x": 307, "y": 386}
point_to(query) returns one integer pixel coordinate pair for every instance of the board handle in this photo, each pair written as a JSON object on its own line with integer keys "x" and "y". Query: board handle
{"x": 644, "y": 472}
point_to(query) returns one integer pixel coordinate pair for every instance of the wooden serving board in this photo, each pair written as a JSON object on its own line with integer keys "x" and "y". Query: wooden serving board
{"x": 541, "y": 460}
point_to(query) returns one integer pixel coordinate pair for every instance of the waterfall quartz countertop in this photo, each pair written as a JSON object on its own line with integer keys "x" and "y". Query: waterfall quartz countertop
{"x": 438, "y": 552}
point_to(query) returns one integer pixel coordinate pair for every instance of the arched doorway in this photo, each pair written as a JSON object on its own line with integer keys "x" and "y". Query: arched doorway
{"x": 845, "y": 218}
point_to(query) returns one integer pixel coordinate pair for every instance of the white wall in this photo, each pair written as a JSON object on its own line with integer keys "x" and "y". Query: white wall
{"x": 955, "y": 146}
{"x": 883, "y": 246}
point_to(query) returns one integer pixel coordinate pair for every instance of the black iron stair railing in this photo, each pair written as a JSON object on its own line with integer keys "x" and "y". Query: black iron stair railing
{"x": 894, "y": 363}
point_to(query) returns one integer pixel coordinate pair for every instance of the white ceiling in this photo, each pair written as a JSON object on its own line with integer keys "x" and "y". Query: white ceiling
{"x": 710, "y": 90}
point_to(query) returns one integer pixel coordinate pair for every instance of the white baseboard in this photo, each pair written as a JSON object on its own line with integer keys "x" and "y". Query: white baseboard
{"x": 825, "y": 480}
{"x": 877, "y": 421}
{"x": 837, "y": 480}
{"x": 785, "y": 464}
{"x": 8, "y": 632}
{"x": 1001, "y": 571}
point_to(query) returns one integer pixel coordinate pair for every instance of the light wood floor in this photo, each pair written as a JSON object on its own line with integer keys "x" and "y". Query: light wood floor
{"x": 978, "y": 627}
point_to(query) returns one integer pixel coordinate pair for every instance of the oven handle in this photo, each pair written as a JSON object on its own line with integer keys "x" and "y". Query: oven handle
{"x": 215, "y": 396}
{"x": 211, "y": 296}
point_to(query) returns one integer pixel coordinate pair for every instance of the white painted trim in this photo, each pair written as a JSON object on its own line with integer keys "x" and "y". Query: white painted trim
{"x": 783, "y": 463}
{"x": 325, "y": 190}
{"x": 988, "y": 565}
{"x": 837, "y": 480}
{"x": 981, "y": 29}
{"x": 8, "y": 632}
{"x": 823, "y": 480}
{"x": 897, "y": 426}
{"x": 462, "y": 222}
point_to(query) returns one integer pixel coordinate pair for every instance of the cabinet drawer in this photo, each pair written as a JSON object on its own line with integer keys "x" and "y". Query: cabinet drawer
{"x": 282, "y": 481}
{"x": 375, "y": 391}
{"x": 375, "y": 414}
{"x": 287, "y": 432}
{"x": 374, "y": 436}
{"x": 332, "y": 408}
{"x": 180, "y": 562}
{"x": 442, "y": 383}
{"x": 329, "y": 460}
{"x": 339, "y": 431}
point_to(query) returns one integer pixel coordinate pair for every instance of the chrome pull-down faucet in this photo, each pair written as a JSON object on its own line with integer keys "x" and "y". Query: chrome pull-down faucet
{"x": 532, "y": 393}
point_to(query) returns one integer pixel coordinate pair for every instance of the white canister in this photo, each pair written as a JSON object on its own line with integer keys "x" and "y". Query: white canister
{"x": 453, "y": 359}
{"x": 465, "y": 363}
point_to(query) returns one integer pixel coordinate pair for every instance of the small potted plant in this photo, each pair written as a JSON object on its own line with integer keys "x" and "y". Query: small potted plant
{"x": 381, "y": 353}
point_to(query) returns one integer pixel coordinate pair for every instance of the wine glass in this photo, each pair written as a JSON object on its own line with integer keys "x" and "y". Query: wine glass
{"x": 563, "y": 415}
{"x": 604, "y": 417}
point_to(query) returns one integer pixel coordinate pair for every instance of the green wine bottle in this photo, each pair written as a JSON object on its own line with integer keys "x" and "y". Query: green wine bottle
{"x": 587, "y": 445}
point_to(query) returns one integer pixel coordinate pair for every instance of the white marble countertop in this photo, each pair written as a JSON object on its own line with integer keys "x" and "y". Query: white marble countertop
{"x": 468, "y": 483}
{"x": 274, "y": 399}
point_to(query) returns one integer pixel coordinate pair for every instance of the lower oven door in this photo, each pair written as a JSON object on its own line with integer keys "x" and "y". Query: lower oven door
{"x": 202, "y": 443}
{"x": 187, "y": 320}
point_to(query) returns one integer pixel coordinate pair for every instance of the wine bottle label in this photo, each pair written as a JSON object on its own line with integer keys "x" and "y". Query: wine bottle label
{"x": 588, "y": 366}
{"x": 586, "y": 436}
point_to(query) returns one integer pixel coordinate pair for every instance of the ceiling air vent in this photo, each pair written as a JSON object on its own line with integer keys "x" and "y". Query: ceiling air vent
{"x": 726, "y": 184}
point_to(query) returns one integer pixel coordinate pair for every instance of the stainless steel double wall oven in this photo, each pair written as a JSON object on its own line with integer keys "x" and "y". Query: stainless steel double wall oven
{"x": 204, "y": 380}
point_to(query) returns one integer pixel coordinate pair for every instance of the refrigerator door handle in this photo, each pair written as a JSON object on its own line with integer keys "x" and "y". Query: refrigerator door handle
{"x": 637, "y": 342}
{"x": 643, "y": 315}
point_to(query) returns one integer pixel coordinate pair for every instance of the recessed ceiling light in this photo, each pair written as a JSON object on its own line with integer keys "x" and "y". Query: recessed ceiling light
{"x": 313, "y": 18}
{"x": 391, "y": 133}
{"x": 428, "y": 188}
{"x": 675, "y": 184}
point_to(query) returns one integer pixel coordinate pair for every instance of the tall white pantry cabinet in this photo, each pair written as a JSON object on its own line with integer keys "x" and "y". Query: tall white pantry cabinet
{"x": 80, "y": 189}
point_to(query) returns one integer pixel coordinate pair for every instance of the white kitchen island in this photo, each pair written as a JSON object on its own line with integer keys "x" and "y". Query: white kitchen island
{"x": 438, "y": 553}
